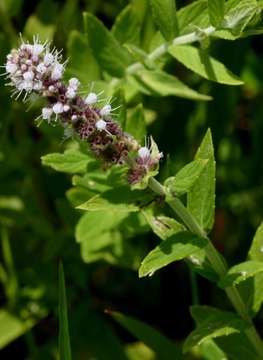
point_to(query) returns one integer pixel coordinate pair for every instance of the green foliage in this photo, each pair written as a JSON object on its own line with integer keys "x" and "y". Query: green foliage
{"x": 177, "y": 247}
{"x": 204, "y": 65}
{"x": 216, "y": 9}
{"x": 201, "y": 198}
{"x": 64, "y": 340}
{"x": 164, "y": 15}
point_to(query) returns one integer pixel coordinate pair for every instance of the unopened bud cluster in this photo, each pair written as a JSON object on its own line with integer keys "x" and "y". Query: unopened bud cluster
{"x": 36, "y": 68}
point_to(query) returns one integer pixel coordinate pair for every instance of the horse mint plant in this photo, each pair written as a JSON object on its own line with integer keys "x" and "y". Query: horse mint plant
{"x": 36, "y": 68}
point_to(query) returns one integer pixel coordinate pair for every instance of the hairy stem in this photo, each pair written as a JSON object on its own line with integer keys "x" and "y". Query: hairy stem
{"x": 215, "y": 260}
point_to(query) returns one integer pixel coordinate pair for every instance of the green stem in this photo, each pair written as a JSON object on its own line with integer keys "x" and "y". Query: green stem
{"x": 215, "y": 260}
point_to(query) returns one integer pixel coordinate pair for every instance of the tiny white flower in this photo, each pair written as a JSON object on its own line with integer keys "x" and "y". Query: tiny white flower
{"x": 92, "y": 98}
{"x": 34, "y": 59}
{"x": 106, "y": 110}
{"x": 66, "y": 107}
{"x": 74, "y": 83}
{"x": 37, "y": 49}
{"x": 47, "y": 113}
{"x": 74, "y": 118}
{"x": 38, "y": 85}
{"x": 24, "y": 67}
{"x": 51, "y": 88}
{"x": 28, "y": 76}
{"x": 11, "y": 68}
{"x": 144, "y": 152}
{"x": 58, "y": 108}
{"x": 29, "y": 62}
{"x": 57, "y": 72}
{"x": 48, "y": 59}
{"x": 70, "y": 93}
{"x": 41, "y": 68}
{"x": 101, "y": 125}
{"x": 27, "y": 85}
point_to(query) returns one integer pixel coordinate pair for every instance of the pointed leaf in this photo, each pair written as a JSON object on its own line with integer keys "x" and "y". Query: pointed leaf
{"x": 64, "y": 341}
{"x": 241, "y": 272}
{"x": 215, "y": 324}
{"x": 176, "y": 247}
{"x": 136, "y": 123}
{"x": 160, "y": 83}
{"x": 111, "y": 56}
{"x": 164, "y": 15}
{"x": 162, "y": 346}
{"x": 256, "y": 249}
{"x": 184, "y": 180}
{"x": 204, "y": 65}
{"x": 201, "y": 198}
{"x": 216, "y": 10}
{"x": 71, "y": 161}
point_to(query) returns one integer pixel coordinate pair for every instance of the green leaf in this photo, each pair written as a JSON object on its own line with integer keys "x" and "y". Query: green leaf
{"x": 236, "y": 345}
{"x": 127, "y": 26}
{"x": 135, "y": 124}
{"x": 164, "y": 348}
{"x": 11, "y": 327}
{"x": 82, "y": 63}
{"x": 184, "y": 180}
{"x": 256, "y": 248}
{"x": 193, "y": 16}
{"x": 241, "y": 272}
{"x": 204, "y": 65}
{"x": 212, "y": 323}
{"x": 111, "y": 56}
{"x": 99, "y": 203}
{"x": 176, "y": 247}
{"x": 162, "y": 226}
{"x": 238, "y": 15}
{"x": 216, "y": 9}
{"x": 71, "y": 161}
{"x": 120, "y": 104}
{"x": 201, "y": 198}
{"x": 164, "y": 15}
{"x": 35, "y": 26}
{"x": 160, "y": 83}
{"x": 64, "y": 341}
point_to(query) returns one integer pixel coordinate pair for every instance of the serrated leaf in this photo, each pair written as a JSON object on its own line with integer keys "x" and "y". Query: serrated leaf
{"x": 72, "y": 161}
{"x": 162, "y": 346}
{"x": 110, "y": 55}
{"x": 212, "y": 323}
{"x": 127, "y": 26}
{"x": 164, "y": 15}
{"x": 176, "y": 247}
{"x": 238, "y": 14}
{"x": 193, "y": 16}
{"x": 235, "y": 345}
{"x": 162, "y": 226}
{"x": 201, "y": 198}
{"x": 82, "y": 63}
{"x": 64, "y": 341}
{"x": 135, "y": 124}
{"x": 184, "y": 180}
{"x": 98, "y": 203}
{"x": 216, "y": 9}
{"x": 241, "y": 272}
{"x": 204, "y": 65}
{"x": 160, "y": 83}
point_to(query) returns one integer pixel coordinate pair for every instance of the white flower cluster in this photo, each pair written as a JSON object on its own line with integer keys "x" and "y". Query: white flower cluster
{"x": 33, "y": 67}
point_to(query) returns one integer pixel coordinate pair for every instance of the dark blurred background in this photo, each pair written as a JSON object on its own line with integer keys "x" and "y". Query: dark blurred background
{"x": 37, "y": 220}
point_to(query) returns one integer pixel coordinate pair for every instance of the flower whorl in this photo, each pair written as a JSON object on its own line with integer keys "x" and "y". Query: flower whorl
{"x": 36, "y": 68}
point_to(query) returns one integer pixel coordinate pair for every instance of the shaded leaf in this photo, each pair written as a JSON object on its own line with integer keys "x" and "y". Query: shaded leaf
{"x": 176, "y": 247}
{"x": 160, "y": 83}
{"x": 216, "y": 10}
{"x": 184, "y": 180}
{"x": 162, "y": 346}
{"x": 64, "y": 341}
{"x": 204, "y": 65}
{"x": 135, "y": 124}
{"x": 164, "y": 15}
{"x": 111, "y": 56}
{"x": 241, "y": 272}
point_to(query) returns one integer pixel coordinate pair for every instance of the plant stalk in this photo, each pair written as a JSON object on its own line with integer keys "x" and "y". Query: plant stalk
{"x": 215, "y": 260}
